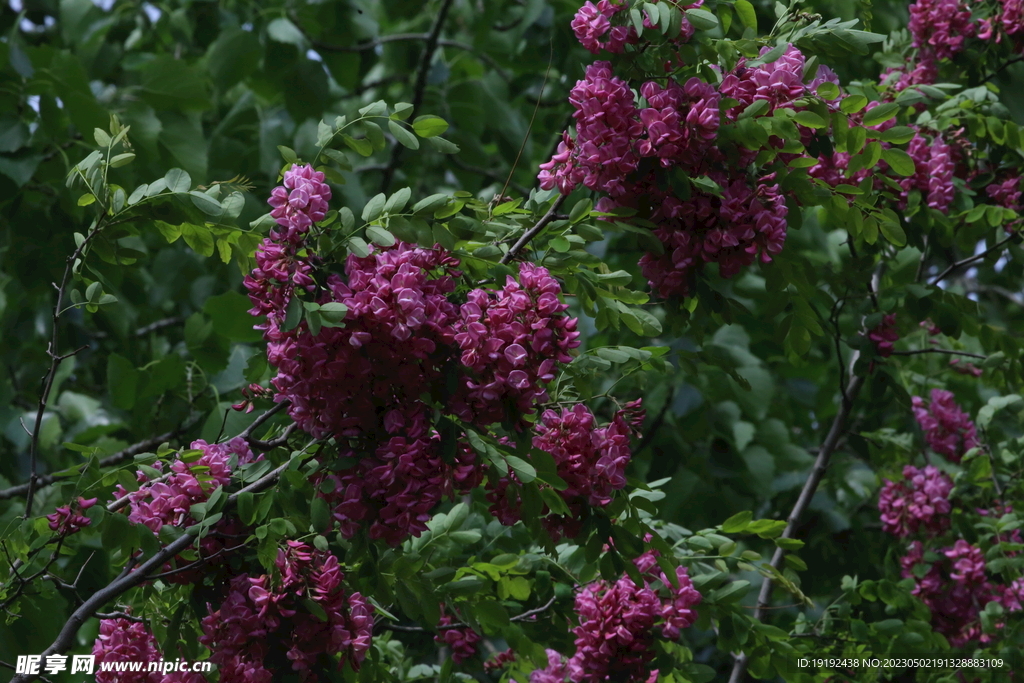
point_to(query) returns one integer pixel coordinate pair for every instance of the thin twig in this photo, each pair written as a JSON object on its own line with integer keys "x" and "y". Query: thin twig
{"x": 535, "y": 230}
{"x": 274, "y": 443}
{"x": 967, "y": 261}
{"x": 55, "y": 361}
{"x": 419, "y": 88}
{"x": 447, "y": 627}
{"x": 849, "y": 395}
{"x": 128, "y": 579}
{"x": 948, "y": 352}
{"x": 120, "y": 615}
{"x": 113, "y": 459}
{"x": 158, "y": 325}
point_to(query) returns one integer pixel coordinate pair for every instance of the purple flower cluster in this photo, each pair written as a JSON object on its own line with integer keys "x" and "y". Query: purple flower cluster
{"x": 618, "y": 626}
{"x": 157, "y": 503}
{"x": 373, "y": 382}
{"x": 461, "y": 641}
{"x": 590, "y": 459}
{"x": 65, "y": 522}
{"x": 263, "y": 619}
{"x": 593, "y": 22}
{"x": 1006, "y": 194}
{"x": 921, "y": 500}
{"x": 1009, "y": 22}
{"x": 123, "y": 640}
{"x": 955, "y": 588}
{"x": 511, "y": 340}
{"x": 947, "y": 429}
{"x": 939, "y": 28}
{"x": 677, "y": 126}
{"x": 884, "y": 335}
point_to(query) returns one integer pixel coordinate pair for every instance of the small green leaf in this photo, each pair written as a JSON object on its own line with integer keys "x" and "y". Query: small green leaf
{"x": 880, "y": 114}
{"x": 900, "y": 162}
{"x": 358, "y": 247}
{"x": 87, "y": 198}
{"x": 380, "y": 236}
{"x": 429, "y": 126}
{"x": 809, "y": 119}
{"x": 177, "y": 180}
{"x": 206, "y": 203}
{"x": 288, "y": 154}
{"x": 374, "y": 208}
{"x": 702, "y": 19}
{"x": 402, "y": 134}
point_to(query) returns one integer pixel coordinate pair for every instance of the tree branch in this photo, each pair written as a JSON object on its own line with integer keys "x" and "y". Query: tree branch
{"x": 419, "y": 88}
{"x": 535, "y": 230}
{"x": 977, "y": 257}
{"x": 917, "y": 352}
{"x": 810, "y": 487}
{"x": 113, "y": 459}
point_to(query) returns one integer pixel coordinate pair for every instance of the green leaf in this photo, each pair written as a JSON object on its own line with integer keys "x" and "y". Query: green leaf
{"x": 898, "y": 135}
{"x": 403, "y": 136}
{"x": 738, "y": 522}
{"x": 86, "y": 199}
{"x": 747, "y": 15}
{"x": 122, "y": 160}
{"x": 358, "y": 247}
{"x": 429, "y": 126}
{"x": 524, "y": 470}
{"x": 403, "y": 110}
{"x": 398, "y": 201}
{"x": 809, "y": 119}
{"x": 230, "y": 315}
{"x": 320, "y": 515}
{"x": 170, "y": 232}
{"x": 880, "y": 114}
{"x": 374, "y": 208}
{"x": 122, "y": 381}
{"x": 360, "y": 146}
{"x": 380, "y": 236}
{"x": 288, "y": 154}
{"x": 443, "y": 146}
{"x": 900, "y": 162}
{"x": 198, "y": 237}
{"x": 206, "y": 203}
{"x": 702, "y": 19}
{"x": 178, "y": 180}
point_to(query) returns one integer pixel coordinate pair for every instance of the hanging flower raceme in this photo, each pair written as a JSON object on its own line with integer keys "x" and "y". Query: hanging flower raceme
{"x": 263, "y": 621}
{"x": 619, "y": 623}
{"x": 955, "y": 587}
{"x": 66, "y": 522}
{"x": 122, "y": 641}
{"x": 940, "y": 27}
{"x": 167, "y": 501}
{"x": 590, "y": 459}
{"x": 461, "y": 641}
{"x": 884, "y": 335}
{"x": 512, "y": 340}
{"x": 947, "y": 429}
{"x": 919, "y": 502}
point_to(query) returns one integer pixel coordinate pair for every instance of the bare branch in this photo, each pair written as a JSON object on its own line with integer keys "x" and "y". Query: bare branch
{"x": 977, "y": 257}
{"x": 535, "y": 230}
{"x": 113, "y": 459}
{"x": 948, "y": 352}
{"x": 419, "y": 88}
{"x": 849, "y": 395}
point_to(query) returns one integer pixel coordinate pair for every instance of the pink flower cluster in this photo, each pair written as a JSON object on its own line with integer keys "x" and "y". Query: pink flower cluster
{"x": 157, "y": 503}
{"x": 1009, "y": 22}
{"x": 1006, "y": 194}
{"x": 732, "y": 218}
{"x": 373, "y": 383}
{"x": 956, "y": 588}
{"x": 65, "y": 522}
{"x": 500, "y": 660}
{"x": 123, "y": 640}
{"x": 619, "y": 623}
{"x": 947, "y": 429}
{"x": 461, "y": 641}
{"x": 590, "y": 459}
{"x": 933, "y": 175}
{"x": 262, "y": 620}
{"x": 593, "y": 22}
{"x": 884, "y": 335}
{"x": 939, "y": 28}
{"x": 511, "y": 340}
{"x": 921, "y": 500}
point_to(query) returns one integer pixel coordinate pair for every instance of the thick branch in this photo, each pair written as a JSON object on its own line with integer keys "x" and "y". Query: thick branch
{"x": 535, "y": 230}
{"x": 419, "y": 88}
{"x": 810, "y": 488}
